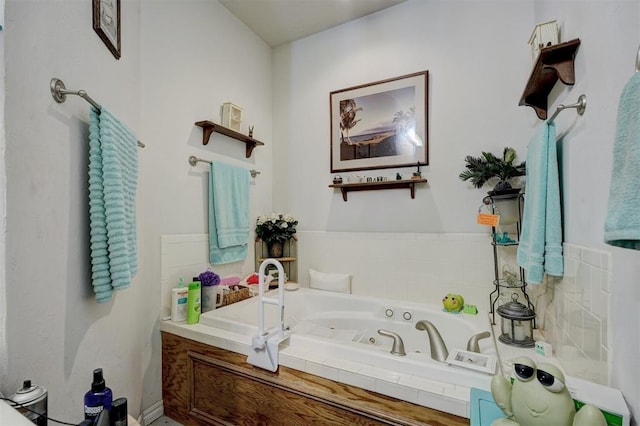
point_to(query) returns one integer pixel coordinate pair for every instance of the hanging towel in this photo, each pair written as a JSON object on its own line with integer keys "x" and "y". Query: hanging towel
{"x": 113, "y": 172}
{"x": 540, "y": 248}
{"x": 622, "y": 225}
{"x": 228, "y": 213}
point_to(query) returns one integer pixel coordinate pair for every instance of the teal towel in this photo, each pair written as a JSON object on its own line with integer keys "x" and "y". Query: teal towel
{"x": 113, "y": 172}
{"x": 540, "y": 248}
{"x": 228, "y": 213}
{"x": 622, "y": 225}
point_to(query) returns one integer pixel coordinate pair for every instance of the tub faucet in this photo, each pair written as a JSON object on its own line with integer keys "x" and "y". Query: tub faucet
{"x": 398, "y": 344}
{"x": 439, "y": 350}
{"x": 472, "y": 344}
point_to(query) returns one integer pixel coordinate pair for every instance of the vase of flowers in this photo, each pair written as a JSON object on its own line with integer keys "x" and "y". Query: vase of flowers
{"x": 275, "y": 229}
{"x": 209, "y": 281}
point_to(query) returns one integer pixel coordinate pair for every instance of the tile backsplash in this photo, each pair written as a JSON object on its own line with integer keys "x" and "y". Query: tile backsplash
{"x": 577, "y": 318}
{"x": 572, "y": 312}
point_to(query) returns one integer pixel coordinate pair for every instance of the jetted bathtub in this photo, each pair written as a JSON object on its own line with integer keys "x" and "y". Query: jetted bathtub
{"x": 335, "y": 336}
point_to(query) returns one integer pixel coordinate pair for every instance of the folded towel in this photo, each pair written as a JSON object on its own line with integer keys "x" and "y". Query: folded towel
{"x": 622, "y": 225}
{"x": 228, "y": 213}
{"x": 113, "y": 165}
{"x": 540, "y": 248}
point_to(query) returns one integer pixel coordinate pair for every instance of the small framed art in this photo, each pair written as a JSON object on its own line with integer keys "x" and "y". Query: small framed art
{"x": 106, "y": 22}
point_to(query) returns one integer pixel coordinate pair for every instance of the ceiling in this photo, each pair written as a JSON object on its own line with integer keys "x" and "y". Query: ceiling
{"x": 282, "y": 21}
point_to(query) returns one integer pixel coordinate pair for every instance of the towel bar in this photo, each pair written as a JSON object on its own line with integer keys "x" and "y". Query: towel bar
{"x": 193, "y": 160}
{"x": 59, "y": 93}
{"x": 580, "y": 106}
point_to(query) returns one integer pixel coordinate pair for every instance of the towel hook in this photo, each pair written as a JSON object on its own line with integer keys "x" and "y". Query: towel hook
{"x": 638, "y": 60}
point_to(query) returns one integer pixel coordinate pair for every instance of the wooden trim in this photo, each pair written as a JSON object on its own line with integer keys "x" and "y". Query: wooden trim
{"x": 189, "y": 367}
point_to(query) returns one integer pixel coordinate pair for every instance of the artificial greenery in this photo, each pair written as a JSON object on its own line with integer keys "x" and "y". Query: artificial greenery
{"x": 482, "y": 169}
{"x": 275, "y": 227}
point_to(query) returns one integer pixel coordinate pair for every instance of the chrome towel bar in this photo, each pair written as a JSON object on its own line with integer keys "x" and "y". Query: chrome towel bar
{"x": 193, "y": 160}
{"x": 580, "y": 106}
{"x": 59, "y": 93}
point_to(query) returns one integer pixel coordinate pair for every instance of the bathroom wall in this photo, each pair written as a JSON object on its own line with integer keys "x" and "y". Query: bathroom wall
{"x": 610, "y": 34}
{"x": 180, "y": 62}
{"x": 479, "y": 60}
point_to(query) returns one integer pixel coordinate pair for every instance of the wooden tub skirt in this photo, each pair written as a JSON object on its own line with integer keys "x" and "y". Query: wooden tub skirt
{"x": 205, "y": 385}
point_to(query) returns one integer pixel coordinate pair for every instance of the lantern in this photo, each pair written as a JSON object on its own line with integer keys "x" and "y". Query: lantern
{"x": 517, "y": 323}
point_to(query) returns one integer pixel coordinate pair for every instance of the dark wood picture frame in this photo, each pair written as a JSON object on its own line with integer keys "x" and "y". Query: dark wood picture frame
{"x": 380, "y": 125}
{"x": 106, "y": 22}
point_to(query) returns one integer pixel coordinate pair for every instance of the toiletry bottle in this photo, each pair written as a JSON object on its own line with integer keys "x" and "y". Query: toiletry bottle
{"x": 193, "y": 303}
{"x": 99, "y": 398}
{"x": 179, "y": 302}
{"x": 118, "y": 415}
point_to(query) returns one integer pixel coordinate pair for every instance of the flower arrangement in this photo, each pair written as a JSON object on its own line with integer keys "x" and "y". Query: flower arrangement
{"x": 275, "y": 227}
{"x": 209, "y": 278}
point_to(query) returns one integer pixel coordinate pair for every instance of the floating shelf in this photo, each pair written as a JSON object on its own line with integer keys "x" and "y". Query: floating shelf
{"x": 554, "y": 62}
{"x": 209, "y": 127}
{"x": 373, "y": 186}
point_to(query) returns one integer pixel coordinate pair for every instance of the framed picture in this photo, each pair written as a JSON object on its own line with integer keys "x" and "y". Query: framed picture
{"x": 380, "y": 125}
{"x": 106, "y": 22}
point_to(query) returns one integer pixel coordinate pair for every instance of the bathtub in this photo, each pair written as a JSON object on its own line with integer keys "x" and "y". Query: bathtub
{"x": 335, "y": 336}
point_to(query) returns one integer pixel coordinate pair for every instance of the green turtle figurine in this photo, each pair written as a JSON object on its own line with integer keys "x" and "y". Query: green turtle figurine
{"x": 538, "y": 396}
{"x": 453, "y": 302}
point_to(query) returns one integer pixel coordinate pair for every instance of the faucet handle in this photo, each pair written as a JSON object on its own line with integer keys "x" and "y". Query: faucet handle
{"x": 472, "y": 344}
{"x": 398, "y": 344}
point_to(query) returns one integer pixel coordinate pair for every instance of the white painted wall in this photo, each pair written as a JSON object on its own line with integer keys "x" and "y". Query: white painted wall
{"x": 212, "y": 58}
{"x": 164, "y": 82}
{"x": 478, "y": 62}
{"x": 610, "y": 34}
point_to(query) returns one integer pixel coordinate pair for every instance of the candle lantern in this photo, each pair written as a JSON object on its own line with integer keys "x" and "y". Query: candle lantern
{"x": 517, "y": 323}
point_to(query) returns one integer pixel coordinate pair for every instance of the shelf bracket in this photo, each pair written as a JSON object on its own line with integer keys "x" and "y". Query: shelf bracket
{"x": 554, "y": 63}
{"x": 209, "y": 127}
{"x": 345, "y": 188}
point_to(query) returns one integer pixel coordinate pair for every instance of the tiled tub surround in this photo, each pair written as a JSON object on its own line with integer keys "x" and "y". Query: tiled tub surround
{"x": 576, "y": 321}
{"x": 335, "y": 336}
{"x": 573, "y": 312}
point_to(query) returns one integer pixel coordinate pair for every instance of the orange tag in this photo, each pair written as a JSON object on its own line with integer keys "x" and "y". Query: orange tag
{"x": 488, "y": 219}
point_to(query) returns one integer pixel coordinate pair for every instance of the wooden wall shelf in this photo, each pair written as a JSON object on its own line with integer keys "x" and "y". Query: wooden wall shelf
{"x": 209, "y": 127}
{"x": 554, "y": 62}
{"x": 372, "y": 186}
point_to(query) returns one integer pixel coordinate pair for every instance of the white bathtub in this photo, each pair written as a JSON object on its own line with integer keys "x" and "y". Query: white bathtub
{"x": 335, "y": 335}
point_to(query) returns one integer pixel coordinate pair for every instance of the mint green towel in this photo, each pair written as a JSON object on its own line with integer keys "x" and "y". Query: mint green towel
{"x": 228, "y": 213}
{"x": 622, "y": 225}
{"x": 540, "y": 248}
{"x": 113, "y": 172}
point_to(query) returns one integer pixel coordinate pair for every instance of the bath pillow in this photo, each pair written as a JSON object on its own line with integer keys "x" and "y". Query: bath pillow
{"x": 340, "y": 283}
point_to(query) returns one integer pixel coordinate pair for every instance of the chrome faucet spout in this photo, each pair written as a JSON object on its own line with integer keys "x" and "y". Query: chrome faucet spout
{"x": 439, "y": 350}
{"x": 472, "y": 344}
{"x": 398, "y": 344}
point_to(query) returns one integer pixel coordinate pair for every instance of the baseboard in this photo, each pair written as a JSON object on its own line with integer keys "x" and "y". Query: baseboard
{"x": 152, "y": 413}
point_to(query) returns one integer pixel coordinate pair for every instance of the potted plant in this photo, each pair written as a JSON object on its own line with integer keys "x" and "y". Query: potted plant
{"x": 275, "y": 229}
{"x": 487, "y": 167}
{"x": 209, "y": 281}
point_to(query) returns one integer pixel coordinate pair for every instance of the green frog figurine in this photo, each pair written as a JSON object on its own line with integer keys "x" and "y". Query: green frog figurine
{"x": 539, "y": 397}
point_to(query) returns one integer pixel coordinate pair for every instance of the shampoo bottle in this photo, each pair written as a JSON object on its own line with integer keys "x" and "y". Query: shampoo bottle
{"x": 99, "y": 398}
{"x": 179, "y": 297}
{"x": 193, "y": 303}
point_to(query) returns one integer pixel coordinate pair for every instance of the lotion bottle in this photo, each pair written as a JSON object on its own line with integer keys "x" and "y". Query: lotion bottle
{"x": 98, "y": 399}
{"x": 193, "y": 303}
{"x": 179, "y": 296}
